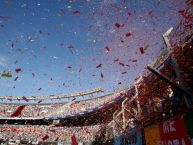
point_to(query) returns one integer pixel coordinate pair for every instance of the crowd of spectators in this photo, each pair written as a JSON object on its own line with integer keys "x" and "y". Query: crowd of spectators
{"x": 56, "y": 110}
{"x": 48, "y": 133}
{"x": 81, "y": 106}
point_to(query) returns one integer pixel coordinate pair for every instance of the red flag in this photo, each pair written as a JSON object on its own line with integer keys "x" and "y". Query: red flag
{"x": 71, "y": 46}
{"x": 73, "y": 139}
{"x": 102, "y": 76}
{"x": 17, "y": 70}
{"x": 116, "y": 60}
{"x": 122, "y": 64}
{"x": 141, "y": 50}
{"x": 76, "y": 12}
{"x": 16, "y": 78}
{"x": 33, "y": 74}
{"x": 24, "y": 98}
{"x": 98, "y": 66}
{"x": 117, "y": 25}
{"x": 18, "y": 111}
{"x": 107, "y": 49}
{"x": 128, "y": 34}
{"x": 57, "y": 139}
{"x": 45, "y": 137}
{"x": 40, "y": 101}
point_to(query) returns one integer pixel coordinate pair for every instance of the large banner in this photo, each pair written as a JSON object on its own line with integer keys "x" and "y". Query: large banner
{"x": 174, "y": 133}
{"x": 152, "y": 136}
{"x": 189, "y": 125}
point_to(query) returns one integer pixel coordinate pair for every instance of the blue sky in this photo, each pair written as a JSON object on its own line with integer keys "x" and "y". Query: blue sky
{"x": 36, "y": 36}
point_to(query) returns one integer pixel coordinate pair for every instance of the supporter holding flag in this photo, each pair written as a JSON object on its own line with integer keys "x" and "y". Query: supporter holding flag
{"x": 73, "y": 139}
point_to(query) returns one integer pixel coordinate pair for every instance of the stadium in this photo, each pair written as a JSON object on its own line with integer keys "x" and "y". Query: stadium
{"x": 155, "y": 108}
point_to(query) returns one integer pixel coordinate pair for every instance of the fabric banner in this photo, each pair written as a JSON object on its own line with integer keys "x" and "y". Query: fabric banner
{"x": 18, "y": 111}
{"x": 189, "y": 125}
{"x": 73, "y": 139}
{"x": 152, "y": 136}
{"x": 45, "y": 137}
{"x": 174, "y": 133}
